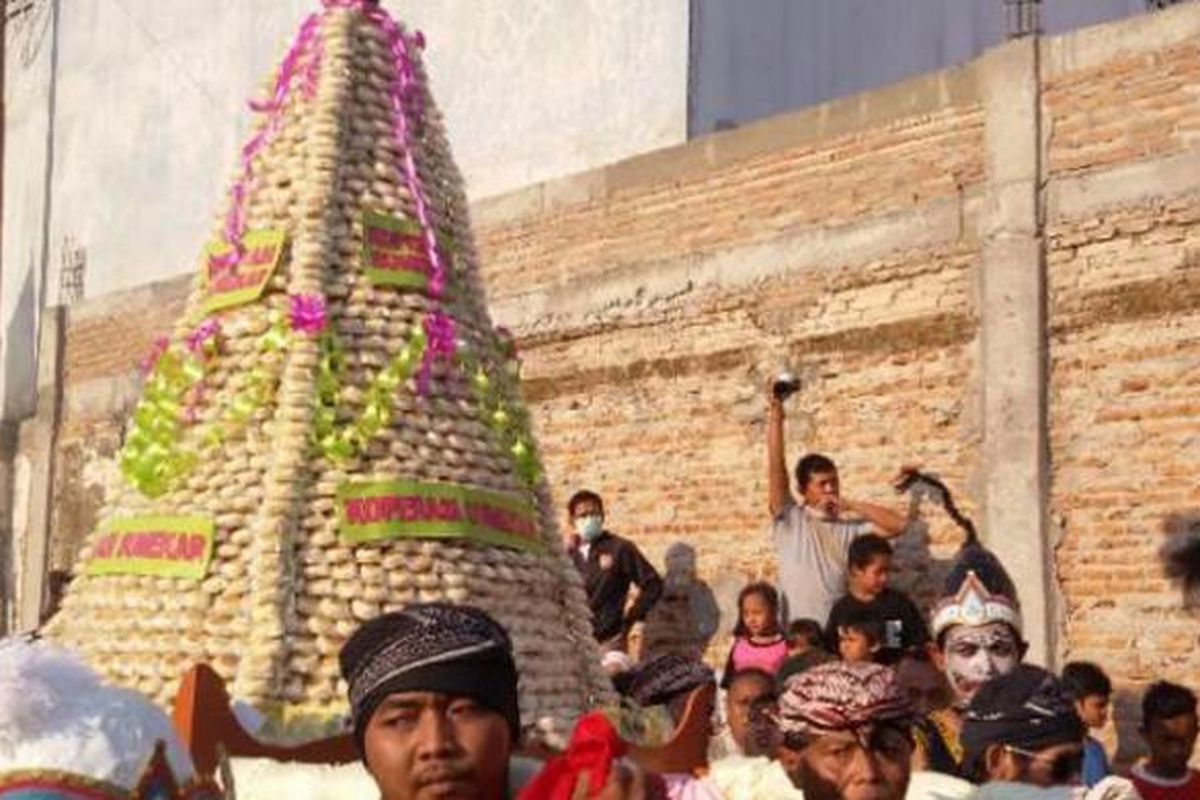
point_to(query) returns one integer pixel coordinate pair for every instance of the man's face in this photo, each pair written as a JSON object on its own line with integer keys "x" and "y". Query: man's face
{"x": 748, "y": 697}
{"x": 423, "y": 745}
{"x": 870, "y": 580}
{"x": 1056, "y": 765}
{"x": 923, "y": 685}
{"x": 1171, "y": 742}
{"x": 974, "y": 655}
{"x": 839, "y": 767}
{"x": 822, "y": 493}
{"x": 1093, "y": 710}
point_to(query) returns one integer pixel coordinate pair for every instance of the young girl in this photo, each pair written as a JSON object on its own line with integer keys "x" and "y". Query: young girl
{"x": 758, "y": 642}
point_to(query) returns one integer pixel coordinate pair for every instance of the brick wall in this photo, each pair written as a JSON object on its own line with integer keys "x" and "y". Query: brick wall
{"x": 1121, "y": 122}
{"x": 652, "y": 299}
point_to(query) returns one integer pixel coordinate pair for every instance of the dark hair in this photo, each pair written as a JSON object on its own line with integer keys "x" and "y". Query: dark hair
{"x": 584, "y": 496}
{"x": 751, "y": 672}
{"x": 865, "y": 622}
{"x": 810, "y": 465}
{"x": 1166, "y": 700}
{"x": 808, "y": 629}
{"x": 866, "y": 548}
{"x": 1084, "y": 679}
{"x": 764, "y": 590}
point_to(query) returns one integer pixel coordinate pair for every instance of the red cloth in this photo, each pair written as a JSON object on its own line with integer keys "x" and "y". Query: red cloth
{"x": 594, "y": 747}
{"x": 1151, "y": 788}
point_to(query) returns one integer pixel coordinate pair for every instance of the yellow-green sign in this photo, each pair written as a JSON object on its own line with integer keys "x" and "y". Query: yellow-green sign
{"x": 394, "y": 251}
{"x": 371, "y": 511}
{"x": 229, "y": 285}
{"x": 164, "y": 547}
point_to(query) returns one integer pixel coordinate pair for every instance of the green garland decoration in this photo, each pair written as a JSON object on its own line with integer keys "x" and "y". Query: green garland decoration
{"x": 154, "y": 457}
{"x": 496, "y": 394}
{"x": 341, "y": 444}
{"x": 150, "y": 458}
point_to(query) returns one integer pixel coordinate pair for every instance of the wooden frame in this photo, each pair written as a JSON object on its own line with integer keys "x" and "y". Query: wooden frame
{"x": 204, "y": 719}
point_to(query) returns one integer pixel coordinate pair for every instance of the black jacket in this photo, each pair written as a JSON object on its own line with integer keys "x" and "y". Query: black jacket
{"x": 903, "y": 626}
{"x": 612, "y": 564}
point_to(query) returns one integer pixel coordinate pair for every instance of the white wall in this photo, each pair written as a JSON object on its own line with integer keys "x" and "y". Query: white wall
{"x": 150, "y": 113}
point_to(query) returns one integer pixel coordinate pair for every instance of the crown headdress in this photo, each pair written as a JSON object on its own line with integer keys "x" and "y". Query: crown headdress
{"x": 974, "y": 605}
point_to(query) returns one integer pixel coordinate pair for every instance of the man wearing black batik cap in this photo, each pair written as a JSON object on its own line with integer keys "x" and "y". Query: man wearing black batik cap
{"x": 1022, "y": 738}
{"x": 433, "y": 694}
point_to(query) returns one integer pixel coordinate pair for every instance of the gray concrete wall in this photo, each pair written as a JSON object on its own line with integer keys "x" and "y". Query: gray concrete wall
{"x": 151, "y": 107}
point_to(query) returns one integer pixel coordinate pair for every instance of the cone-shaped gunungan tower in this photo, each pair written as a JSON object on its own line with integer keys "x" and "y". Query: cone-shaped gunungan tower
{"x": 368, "y": 367}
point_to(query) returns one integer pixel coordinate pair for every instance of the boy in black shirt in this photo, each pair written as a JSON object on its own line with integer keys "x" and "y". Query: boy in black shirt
{"x": 870, "y": 560}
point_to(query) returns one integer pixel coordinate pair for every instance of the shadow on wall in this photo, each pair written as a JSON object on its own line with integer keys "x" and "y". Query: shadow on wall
{"x": 20, "y": 355}
{"x": 1127, "y": 715}
{"x": 687, "y": 616}
{"x": 1180, "y": 554}
{"x": 694, "y": 616}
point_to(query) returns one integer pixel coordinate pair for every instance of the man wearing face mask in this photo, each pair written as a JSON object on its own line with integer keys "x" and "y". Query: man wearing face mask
{"x": 609, "y": 564}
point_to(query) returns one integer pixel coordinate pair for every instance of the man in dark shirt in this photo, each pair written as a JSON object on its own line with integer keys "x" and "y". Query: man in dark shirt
{"x": 609, "y": 565}
{"x": 903, "y": 627}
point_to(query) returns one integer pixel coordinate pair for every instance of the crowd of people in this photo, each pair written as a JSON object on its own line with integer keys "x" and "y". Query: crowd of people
{"x": 973, "y": 710}
{"x": 836, "y": 685}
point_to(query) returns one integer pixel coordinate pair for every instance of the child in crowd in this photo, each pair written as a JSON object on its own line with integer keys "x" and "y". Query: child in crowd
{"x": 758, "y": 643}
{"x": 1091, "y": 689}
{"x": 869, "y": 562}
{"x": 860, "y": 637}
{"x": 804, "y": 635}
{"x": 1169, "y": 728}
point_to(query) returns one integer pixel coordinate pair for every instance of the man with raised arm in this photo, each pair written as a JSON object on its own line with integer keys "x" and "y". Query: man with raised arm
{"x": 812, "y": 533}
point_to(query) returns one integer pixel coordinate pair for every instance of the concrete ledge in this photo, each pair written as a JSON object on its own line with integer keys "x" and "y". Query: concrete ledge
{"x": 1131, "y": 36}
{"x": 1128, "y": 184}
{"x": 168, "y": 290}
{"x": 923, "y": 95}
{"x": 649, "y": 282}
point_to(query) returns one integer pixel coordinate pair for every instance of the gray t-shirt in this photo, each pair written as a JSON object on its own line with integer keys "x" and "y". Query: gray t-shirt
{"x": 812, "y": 556}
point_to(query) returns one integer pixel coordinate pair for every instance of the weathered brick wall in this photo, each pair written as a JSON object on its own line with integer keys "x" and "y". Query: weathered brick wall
{"x": 650, "y": 390}
{"x": 1123, "y": 286}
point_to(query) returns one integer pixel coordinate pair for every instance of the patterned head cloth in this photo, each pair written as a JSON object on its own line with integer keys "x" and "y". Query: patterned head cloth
{"x": 840, "y": 697}
{"x": 434, "y": 647}
{"x": 1027, "y": 708}
{"x": 656, "y": 681}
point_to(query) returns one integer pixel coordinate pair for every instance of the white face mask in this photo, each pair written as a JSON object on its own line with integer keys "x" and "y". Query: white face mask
{"x": 975, "y": 655}
{"x": 589, "y": 527}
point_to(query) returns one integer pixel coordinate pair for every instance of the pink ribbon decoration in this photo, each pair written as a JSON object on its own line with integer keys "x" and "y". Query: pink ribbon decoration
{"x": 235, "y": 220}
{"x": 407, "y": 97}
{"x": 150, "y": 360}
{"x": 308, "y": 314}
{"x": 206, "y": 330}
{"x": 439, "y": 330}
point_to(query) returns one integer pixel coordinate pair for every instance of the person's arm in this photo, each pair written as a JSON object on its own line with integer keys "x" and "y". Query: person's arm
{"x": 778, "y": 491}
{"x": 889, "y": 523}
{"x": 916, "y": 631}
{"x": 650, "y": 586}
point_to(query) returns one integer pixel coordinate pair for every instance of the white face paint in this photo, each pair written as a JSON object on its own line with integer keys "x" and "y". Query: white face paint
{"x": 975, "y": 655}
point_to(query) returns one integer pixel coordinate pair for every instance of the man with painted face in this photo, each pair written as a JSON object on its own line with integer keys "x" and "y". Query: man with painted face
{"x": 977, "y": 628}
{"x": 610, "y": 565}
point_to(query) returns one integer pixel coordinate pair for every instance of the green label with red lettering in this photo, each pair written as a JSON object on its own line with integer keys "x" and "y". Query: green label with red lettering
{"x": 164, "y": 547}
{"x": 229, "y": 285}
{"x": 395, "y": 252}
{"x": 370, "y": 511}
